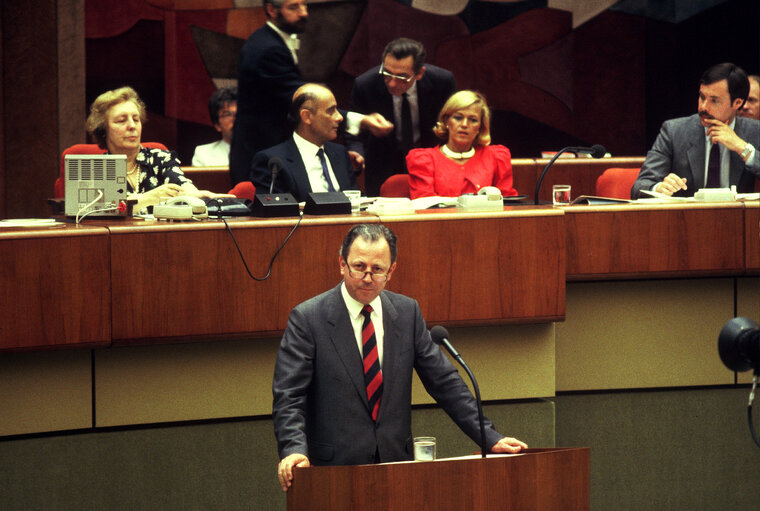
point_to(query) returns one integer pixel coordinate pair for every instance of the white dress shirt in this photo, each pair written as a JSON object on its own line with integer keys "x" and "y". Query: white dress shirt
{"x": 357, "y": 320}
{"x": 290, "y": 40}
{"x": 313, "y": 165}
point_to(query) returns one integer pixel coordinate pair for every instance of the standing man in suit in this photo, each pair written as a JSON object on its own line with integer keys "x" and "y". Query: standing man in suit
{"x": 409, "y": 92}
{"x": 310, "y": 162}
{"x": 343, "y": 377}
{"x": 710, "y": 149}
{"x": 268, "y": 75}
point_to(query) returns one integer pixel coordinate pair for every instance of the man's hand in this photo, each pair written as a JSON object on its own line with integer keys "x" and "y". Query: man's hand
{"x": 285, "y": 468}
{"x": 720, "y": 133}
{"x": 378, "y": 125}
{"x": 508, "y": 445}
{"x": 357, "y": 161}
{"x": 671, "y": 184}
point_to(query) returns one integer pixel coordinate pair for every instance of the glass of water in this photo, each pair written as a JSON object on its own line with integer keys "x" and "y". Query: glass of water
{"x": 561, "y": 195}
{"x": 424, "y": 448}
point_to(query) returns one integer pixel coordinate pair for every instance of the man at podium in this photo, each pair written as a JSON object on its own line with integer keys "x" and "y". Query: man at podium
{"x": 343, "y": 377}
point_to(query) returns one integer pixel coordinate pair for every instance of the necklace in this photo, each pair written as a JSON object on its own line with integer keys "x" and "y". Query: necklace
{"x": 457, "y": 156}
{"x": 134, "y": 176}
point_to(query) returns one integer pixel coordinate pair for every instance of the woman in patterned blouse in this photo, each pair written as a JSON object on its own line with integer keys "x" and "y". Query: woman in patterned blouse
{"x": 115, "y": 120}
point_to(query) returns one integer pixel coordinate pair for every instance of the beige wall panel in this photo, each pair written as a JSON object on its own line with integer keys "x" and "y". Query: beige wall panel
{"x": 45, "y": 391}
{"x": 509, "y": 362}
{"x": 748, "y": 305}
{"x": 138, "y": 385}
{"x": 643, "y": 334}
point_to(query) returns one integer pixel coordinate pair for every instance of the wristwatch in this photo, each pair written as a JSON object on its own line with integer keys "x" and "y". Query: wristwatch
{"x": 747, "y": 151}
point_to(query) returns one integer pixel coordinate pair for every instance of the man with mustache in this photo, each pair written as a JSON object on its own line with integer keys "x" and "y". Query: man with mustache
{"x": 711, "y": 149}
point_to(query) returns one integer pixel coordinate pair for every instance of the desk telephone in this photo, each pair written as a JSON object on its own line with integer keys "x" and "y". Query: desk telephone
{"x": 184, "y": 207}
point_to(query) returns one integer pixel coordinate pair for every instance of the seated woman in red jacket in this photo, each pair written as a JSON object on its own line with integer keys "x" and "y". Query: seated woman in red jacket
{"x": 466, "y": 162}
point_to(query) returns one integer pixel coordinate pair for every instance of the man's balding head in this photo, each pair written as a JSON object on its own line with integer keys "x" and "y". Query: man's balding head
{"x": 315, "y": 113}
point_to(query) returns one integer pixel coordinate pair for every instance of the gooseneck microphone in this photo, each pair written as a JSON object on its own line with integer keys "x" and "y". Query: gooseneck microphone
{"x": 441, "y": 337}
{"x": 596, "y": 151}
{"x": 274, "y": 164}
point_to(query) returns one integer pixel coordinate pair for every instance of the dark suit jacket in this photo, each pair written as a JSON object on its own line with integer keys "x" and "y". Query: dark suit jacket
{"x": 382, "y": 155}
{"x": 320, "y": 402}
{"x": 680, "y": 149}
{"x": 293, "y": 178}
{"x": 267, "y": 79}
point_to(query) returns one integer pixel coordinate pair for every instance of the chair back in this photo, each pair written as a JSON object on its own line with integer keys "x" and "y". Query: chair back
{"x": 396, "y": 186}
{"x": 243, "y": 190}
{"x": 59, "y": 188}
{"x": 616, "y": 182}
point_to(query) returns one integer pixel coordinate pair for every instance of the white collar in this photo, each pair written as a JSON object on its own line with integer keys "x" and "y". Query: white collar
{"x": 455, "y": 155}
{"x": 291, "y": 40}
{"x": 355, "y": 307}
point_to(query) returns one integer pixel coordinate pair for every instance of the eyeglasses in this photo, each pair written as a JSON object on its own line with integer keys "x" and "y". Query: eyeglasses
{"x": 226, "y": 113}
{"x": 391, "y": 76}
{"x": 377, "y": 277}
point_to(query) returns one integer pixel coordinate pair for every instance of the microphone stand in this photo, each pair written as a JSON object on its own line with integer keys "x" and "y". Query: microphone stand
{"x": 543, "y": 173}
{"x": 458, "y": 357}
{"x": 483, "y": 448}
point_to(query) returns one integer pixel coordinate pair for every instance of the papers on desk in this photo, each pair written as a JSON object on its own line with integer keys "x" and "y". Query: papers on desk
{"x": 31, "y": 223}
{"x": 702, "y": 195}
{"x": 434, "y": 202}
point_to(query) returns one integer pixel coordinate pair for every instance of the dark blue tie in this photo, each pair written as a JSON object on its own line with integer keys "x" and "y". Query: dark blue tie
{"x": 321, "y": 154}
{"x": 713, "y": 167}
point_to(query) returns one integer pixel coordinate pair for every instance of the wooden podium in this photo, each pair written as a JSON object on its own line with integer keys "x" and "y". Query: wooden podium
{"x": 537, "y": 479}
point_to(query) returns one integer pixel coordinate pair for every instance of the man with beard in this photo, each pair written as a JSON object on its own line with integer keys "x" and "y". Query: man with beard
{"x": 711, "y": 149}
{"x": 267, "y": 78}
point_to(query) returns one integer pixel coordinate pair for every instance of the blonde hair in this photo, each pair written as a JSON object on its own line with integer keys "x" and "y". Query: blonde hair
{"x": 459, "y": 101}
{"x": 97, "y": 120}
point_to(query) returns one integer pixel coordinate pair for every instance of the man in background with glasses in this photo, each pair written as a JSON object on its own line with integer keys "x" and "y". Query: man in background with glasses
{"x": 343, "y": 378}
{"x": 409, "y": 93}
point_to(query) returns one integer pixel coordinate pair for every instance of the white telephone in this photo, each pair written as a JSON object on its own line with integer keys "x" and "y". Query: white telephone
{"x": 183, "y": 207}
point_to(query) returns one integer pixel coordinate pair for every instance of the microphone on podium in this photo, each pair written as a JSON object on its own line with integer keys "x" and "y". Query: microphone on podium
{"x": 596, "y": 151}
{"x": 441, "y": 337}
{"x": 274, "y": 164}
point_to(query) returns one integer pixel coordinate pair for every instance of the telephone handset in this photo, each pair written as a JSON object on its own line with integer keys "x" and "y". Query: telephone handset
{"x": 182, "y": 207}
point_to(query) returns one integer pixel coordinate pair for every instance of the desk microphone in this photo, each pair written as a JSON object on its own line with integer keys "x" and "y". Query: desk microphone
{"x": 441, "y": 337}
{"x": 274, "y": 164}
{"x": 596, "y": 151}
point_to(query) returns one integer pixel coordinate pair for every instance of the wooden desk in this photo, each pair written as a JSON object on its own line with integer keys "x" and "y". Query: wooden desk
{"x": 580, "y": 173}
{"x": 55, "y": 286}
{"x": 187, "y": 280}
{"x": 663, "y": 240}
{"x": 131, "y": 281}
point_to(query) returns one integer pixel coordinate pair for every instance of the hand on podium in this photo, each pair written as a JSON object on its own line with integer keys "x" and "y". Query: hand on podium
{"x": 508, "y": 445}
{"x": 285, "y": 468}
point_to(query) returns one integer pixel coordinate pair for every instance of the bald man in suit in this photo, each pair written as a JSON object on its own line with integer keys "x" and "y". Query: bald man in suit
{"x": 310, "y": 161}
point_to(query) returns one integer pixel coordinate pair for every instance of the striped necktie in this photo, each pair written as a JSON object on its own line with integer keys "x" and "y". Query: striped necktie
{"x": 373, "y": 376}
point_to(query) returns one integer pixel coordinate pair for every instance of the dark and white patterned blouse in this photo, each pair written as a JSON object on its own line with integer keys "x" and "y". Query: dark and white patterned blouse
{"x": 158, "y": 167}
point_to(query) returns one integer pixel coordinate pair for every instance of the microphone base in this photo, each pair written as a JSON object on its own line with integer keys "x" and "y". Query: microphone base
{"x": 269, "y": 205}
